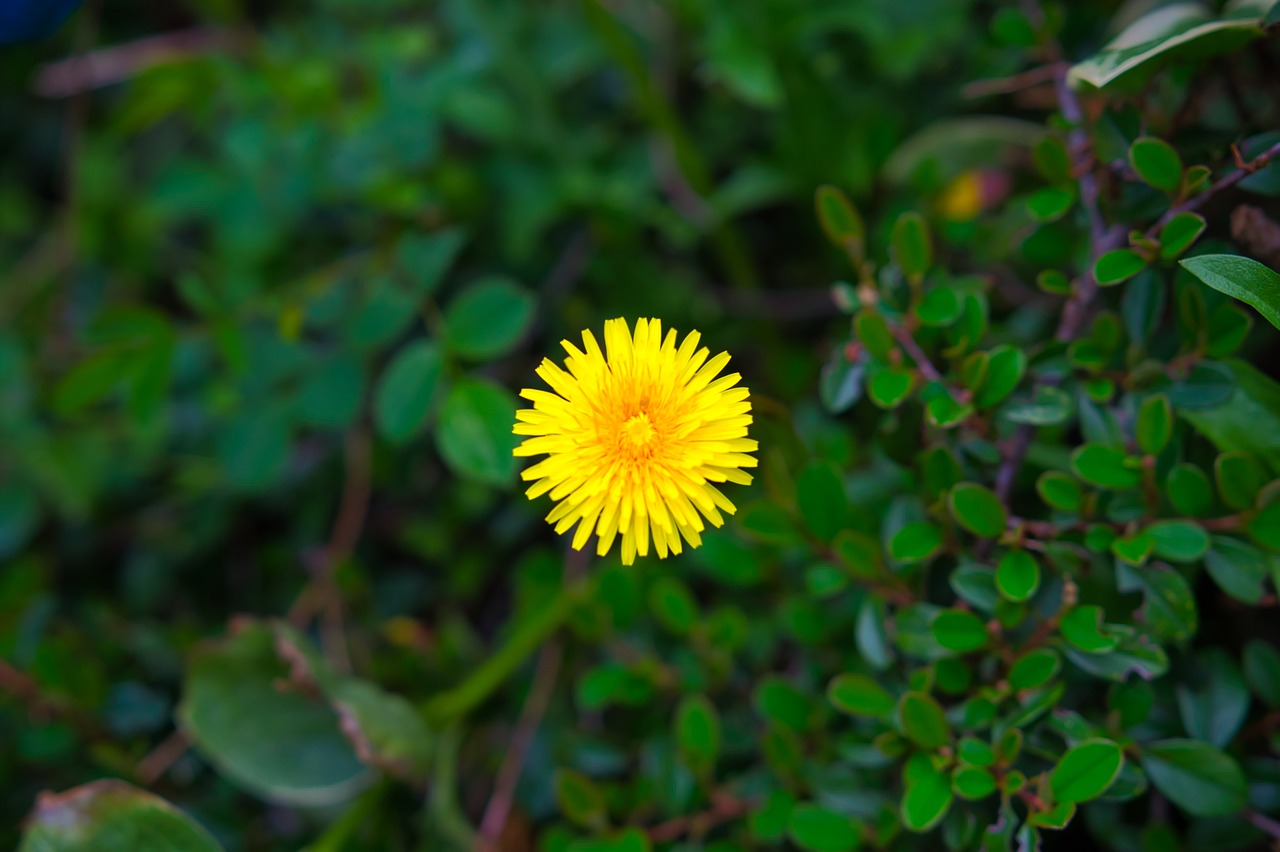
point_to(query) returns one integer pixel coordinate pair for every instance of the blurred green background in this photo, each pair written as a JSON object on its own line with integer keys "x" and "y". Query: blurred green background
{"x": 252, "y": 254}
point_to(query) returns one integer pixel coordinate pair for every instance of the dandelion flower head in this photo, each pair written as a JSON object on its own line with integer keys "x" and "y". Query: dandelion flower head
{"x": 637, "y": 437}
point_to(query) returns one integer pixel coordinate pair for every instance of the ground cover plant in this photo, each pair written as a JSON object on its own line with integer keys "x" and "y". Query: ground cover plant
{"x": 986, "y": 558}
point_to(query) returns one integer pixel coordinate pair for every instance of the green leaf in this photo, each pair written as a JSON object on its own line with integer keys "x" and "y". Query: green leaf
{"x": 386, "y": 730}
{"x": 778, "y": 700}
{"x": 972, "y": 782}
{"x": 406, "y": 390}
{"x": 1170, "y": 607}
{"x": 1163, "y": 35}
{"x": 1117, "y": 266}
{"x": 871, "y": 329}
{"x": 1155, "y": 424}
{"x": 889, "y": 388}
{"x": 859, "y": 695}
{"x": 975, "y": 752}
{"x": 697, "y": 731}
{"x": 1052, "y": 159}
{"x": 977, "y": 509}
{"x": 1104, "y": 467}
{"x": 923, "y": 721}
{"x": 944, "y": 412}
{"x": 626, "y": 840}
{"x": 1005, "y": 367}
{"x": 1035, "y": 668}
{"x": 1060, "y": 491}
{"x": 277, "y": 743}
{"x": 386, "y": 312}
{"x": 915, "y": 542}
{"x": 1240, "y": 478}
{"x": 960, "y": 631}
{"x": 1265, "y": 526}
{"x": 840, "y": 221}
{"x": 488, "y": 318}
{"x": 1178, "y": 541}
{"x": 474, "y": 432}
{"x": 1262, "y": 671}
{"x": 820, "y": 496}
{"x": 1189, "y": 490}
{"x": 425, "y": 258}
{"x": 1213, "y": 699}
{"x": 1050, "y": 203}
{"x": 1239, "y": 568}
{"x": 1196, "y": 777}
{"x": 769, "y": 822}
{"x": 1054, "y": 282}
{"x": 254, "y": 449}
{"x": 1241, "y": 278}
{"x": 580, "y": 800}
{"x": 1179, "y": 233}
{"x": 332, "y": 395}
{"x": 1133, "y": 654}
{"x": 1056, "y": 818}
{"x": 673, "y": 605}
{"x": 927, "y": 794}
{"x": 817, "y": 829}
{"x": 1156, "y": 163}
{"x": 1083, "y": 628}
{"x": 871, "y": 635}
{"x": 912, "y": 245}
{"x": 111, "y": 815}
{"x": 1133, "y": 549}
{"x": 940, "y": 307}
{"x": 1086, "y": 771}
{"x": 1017, "y": 576}
{"x": 1048, "y": 406}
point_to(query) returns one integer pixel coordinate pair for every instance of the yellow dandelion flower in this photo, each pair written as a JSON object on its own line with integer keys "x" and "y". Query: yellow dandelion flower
{"x": 636, "y": 435}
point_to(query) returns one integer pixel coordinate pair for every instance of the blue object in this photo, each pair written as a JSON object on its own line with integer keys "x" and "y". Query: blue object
{"x": 24, "y": 20}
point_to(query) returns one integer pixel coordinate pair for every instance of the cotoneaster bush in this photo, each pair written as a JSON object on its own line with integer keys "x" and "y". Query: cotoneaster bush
{"x": 1003, "y": 574}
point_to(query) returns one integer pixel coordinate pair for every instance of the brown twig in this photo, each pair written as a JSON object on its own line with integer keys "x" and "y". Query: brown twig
{"x": 322, "y": 593}
{"x": 97, "y": 68}
{"x": 1037, "y": 76}
{"x": 498, "y": 810}
{"x": 909, "y": 345}
{"x": 1197, "y": 201}
{"x": 1263, "y": 823}
{"x": 160, "y": 758}
{"x": 724, "y": 807}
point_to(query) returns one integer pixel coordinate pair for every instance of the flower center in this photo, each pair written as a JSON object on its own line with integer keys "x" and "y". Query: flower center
{"x": 637, "y": 432}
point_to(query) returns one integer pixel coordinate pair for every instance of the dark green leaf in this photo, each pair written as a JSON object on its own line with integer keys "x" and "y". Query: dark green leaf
{"x": 912, "y": 245}
{"x": 1017, "y": 575}
{"x": 1104, "y": 467}
{"x": 108, "y": 815}
{"x": 1086, "y": 771}
{"x": 840, "y": 221}
{"x": 873, "y": 332}
{"x": 977, "y": 509}
{"x": 817, "y": 829}
{"x": 1262, "y": 671}
{"x": 1117, "y": 266}
{"x": 960, "y": 631}
{"x": 1156, "y": 163}
{"x": 1237, "y": 567}
{"x": 1005, "y": 368}
{"x": 927, "y": 794}
{"x": 277, "y": 743}
{"x": 972, "y": 782}
{"x": 1155, "y": 424}
{"x": 1196, "y": 777}
{"x": 923, "y": 721}
{"x": 1213, "y": 699}
{"x": 1083, "y": 628}
{"x": 940, "y": 307}
{"x": 1035, "y": 668}
{"x": 915, "y": 542}
{"x": 1189, "y": 490}
{"x": 1179, "y": 233}
{"x": 406, "y": 390}
{"x": 890, "y": 387}
{"x": 673, "y": 605}
{"x": 698, "y": 731}
{"x": 425, "y": 258}
{"x": 488, "y": 318}
{"x": 1241, "y": 278}
{"x": 1060, "y": 491}
{"x": 474, "y": 432}
{"x": 580, "y": 800}
{"x": 1050, "y": 203}
{"x": 821, "y": 499}
{"x": 1178, "y": 541}
{"x": 859, "y": 695}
